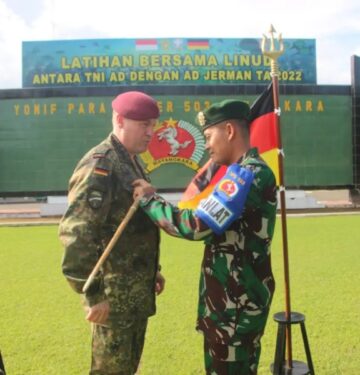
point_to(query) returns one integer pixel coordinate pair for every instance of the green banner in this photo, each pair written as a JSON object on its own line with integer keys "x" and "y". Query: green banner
{"x": 165, "y": 61}
{"x": 42, "y": 139}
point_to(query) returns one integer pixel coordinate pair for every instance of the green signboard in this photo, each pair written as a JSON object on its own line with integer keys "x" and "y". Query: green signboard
{"x": 41, "y": 139}
{"x": 165, "y": 61}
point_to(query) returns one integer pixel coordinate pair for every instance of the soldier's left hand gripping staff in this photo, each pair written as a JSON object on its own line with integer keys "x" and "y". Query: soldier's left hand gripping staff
{"x": 122, "y": 295}
{"x": 237, "y": 224}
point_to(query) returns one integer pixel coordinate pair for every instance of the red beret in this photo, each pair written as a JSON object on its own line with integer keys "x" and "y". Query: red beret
{"x": 136, "y": 105}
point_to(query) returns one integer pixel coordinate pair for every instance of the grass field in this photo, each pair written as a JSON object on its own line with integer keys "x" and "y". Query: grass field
{"x": 43, "y": 331}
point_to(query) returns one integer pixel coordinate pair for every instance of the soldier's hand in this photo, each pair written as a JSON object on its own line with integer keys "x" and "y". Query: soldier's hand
{"x": 142, "y": 188}
{"x": 159, "y": 283}
{"x": 98, "y": 313}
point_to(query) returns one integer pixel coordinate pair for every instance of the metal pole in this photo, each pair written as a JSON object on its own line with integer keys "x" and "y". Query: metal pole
{"x": 274, "y": 54}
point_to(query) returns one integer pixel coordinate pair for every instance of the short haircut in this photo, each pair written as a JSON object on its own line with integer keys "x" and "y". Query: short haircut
{"x": 243, "y": 125}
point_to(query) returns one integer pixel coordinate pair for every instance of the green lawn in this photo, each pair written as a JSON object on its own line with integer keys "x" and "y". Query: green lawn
{"x": 43, "y": 331}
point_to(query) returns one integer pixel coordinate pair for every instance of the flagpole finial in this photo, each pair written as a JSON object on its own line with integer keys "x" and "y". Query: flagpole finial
{"x": 273, "y": 48}
{"x": 272, "y": 29}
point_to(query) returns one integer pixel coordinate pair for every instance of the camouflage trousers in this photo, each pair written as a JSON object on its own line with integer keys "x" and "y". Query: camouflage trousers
{"x": 117, "y": 351}
{"x": 239, "y": 360}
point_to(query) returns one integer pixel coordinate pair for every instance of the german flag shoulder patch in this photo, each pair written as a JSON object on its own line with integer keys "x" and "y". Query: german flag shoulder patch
{"x": 101, "y": 171}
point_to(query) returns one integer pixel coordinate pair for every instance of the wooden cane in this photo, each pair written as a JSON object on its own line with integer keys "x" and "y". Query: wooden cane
{"x": 111, "y": 243}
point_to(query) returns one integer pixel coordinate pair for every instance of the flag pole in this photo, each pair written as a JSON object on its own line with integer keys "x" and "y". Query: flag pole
{"x": 111, "y": 244}
{"x": 274, "y": 53}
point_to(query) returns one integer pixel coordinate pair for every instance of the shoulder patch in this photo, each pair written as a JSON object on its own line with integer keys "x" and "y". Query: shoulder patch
{"x": 101, "y": 171}
{"x": 102, "y": 164}
{"x": 100, "y": 178}
{"x": 95, "y": 199}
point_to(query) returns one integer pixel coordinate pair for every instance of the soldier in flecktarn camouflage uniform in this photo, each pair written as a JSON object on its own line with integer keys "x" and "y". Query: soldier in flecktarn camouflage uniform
{"x": 122, "y": 296}
{"x": 237, "y": 224}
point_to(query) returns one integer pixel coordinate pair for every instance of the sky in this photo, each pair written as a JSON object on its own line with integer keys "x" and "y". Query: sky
{"x": 334, "y": 24}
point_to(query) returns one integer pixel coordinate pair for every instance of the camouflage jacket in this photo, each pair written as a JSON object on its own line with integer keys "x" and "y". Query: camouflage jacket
{"x": 100, "y": 194}
{"x": 236, "y": 282}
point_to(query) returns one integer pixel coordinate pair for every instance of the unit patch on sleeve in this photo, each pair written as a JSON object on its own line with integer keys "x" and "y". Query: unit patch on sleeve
{"x": 95, "y": 199}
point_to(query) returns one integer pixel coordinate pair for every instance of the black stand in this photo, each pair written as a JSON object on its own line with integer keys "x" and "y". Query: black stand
{"x": 2, "y": 367}
{"x": 279, "y": 366}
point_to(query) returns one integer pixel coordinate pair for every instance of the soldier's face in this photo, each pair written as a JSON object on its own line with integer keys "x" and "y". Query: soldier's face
{"x": 136, "y": 135}
{"x": 217, "y": 144}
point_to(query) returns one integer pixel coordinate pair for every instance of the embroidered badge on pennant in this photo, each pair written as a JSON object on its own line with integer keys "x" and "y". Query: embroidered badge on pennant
{"x": 216, "y": 213}
{"x": 228, "y": 187}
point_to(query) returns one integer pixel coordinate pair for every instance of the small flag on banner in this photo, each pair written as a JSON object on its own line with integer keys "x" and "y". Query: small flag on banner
{"x": 198, "y": 44}
{"x": 146, "y": 44}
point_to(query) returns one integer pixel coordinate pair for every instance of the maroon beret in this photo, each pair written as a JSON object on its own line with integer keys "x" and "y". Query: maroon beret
{"x": 136, "y": 105}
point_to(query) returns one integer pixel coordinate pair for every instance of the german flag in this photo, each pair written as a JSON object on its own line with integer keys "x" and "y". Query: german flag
{"x": 263, "y": 135}
{"x": 198, "y": 44}
{"x": 101, "y": 171}
{"x": 264, "y": 131}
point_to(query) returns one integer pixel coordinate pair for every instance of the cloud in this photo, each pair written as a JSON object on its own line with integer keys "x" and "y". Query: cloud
{"x": 335, "y": 26}
{"x": 12, "y": 27}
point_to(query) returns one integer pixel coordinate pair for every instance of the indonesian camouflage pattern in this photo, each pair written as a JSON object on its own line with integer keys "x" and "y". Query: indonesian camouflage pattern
{"x": 100, "y": 194}
{"x": 240, "y": 360}
{"x": 236, "y": 282}
{"x": 118, "y": 350}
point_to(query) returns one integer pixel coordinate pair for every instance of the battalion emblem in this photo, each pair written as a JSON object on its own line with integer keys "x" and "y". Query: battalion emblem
{"x": 174, "y": 142}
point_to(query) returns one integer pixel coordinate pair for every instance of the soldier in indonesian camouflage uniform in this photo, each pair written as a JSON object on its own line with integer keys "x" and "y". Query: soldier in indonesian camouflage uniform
{"x": 122, "y": 296}
{"x": 236, "y": 282}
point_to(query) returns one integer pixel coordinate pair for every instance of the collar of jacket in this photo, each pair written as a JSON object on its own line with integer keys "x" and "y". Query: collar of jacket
{"x": 120, "y": 148}
{"x": 123, "y": 154}
{"x": 250, "y": 153}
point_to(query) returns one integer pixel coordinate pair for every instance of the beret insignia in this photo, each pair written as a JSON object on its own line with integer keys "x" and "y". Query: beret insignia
{"x": 226, "y": 110}
{"x": 201, "y": 118}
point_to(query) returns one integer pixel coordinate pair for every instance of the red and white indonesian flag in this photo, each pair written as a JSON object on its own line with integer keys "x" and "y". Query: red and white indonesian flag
{"x": 146, "y": 44}
{"x": 263, "y": 135}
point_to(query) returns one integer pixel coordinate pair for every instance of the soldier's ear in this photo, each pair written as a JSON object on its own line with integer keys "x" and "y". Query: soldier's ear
{"x": 230, "y": 130}
{"x": 119, "y": 121}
